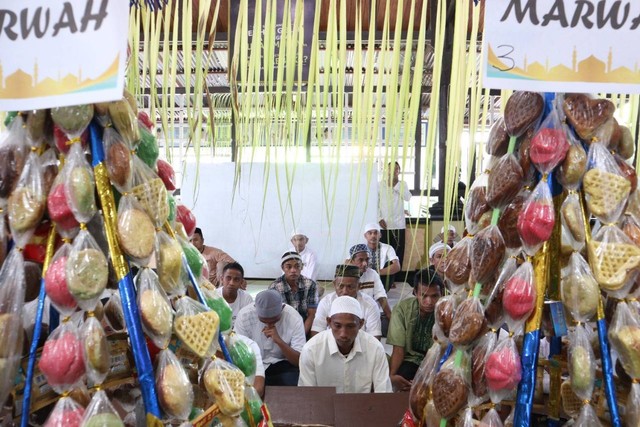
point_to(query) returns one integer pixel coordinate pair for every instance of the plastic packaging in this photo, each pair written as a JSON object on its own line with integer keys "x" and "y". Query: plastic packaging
{"x": 136, "y": 233}
{"x": 451, "y": 387}
{"x": 225, "y": 384}
{"x": 87, "y": 271}
{"x": 466, "y": 419}
{"x": 504, "y": 182}
{"x": 478, "y": 358}
{"x": 498, "y": 142}
{"x": 252, "y": 412}
{"x": 587, "y": 418}
{"x": 493, "y": 306}
{"x": 147, "y": 149}
{"x": 187, "y": 219}
{"x": 624, "y": 336}
{"x": 523, "y": 110}
{"x": 457, "y": 264}
{"x": 117, "y": 159}
{"x": 519, "y": 298}
{"x": 62, "y": 359}
{"x": 573, "y": 226}
{"x": 101, "y": 413}
{"x": 579, "y": 289}
{"x": 444, "y": 312}
{"x": 549, "y": 146}
{"x": 197, "y": 327}
{"x": 468, "y": 322}
{"x": 627, "y": 145}
{"x": 491, "y": 419}
{"x": 218, "y": 304}
{"x": 59, "y": 208}
{"x": 632, "y": 412}
{"x": 27, "y": 202}
{"x": 582, "y": 363}
{"x": 503, "y": 370}
{"x": 421, "y": 384}
{"x": 171, "y": 271}
{"x": 55, "y": 282}
{"x": 150, "y": 192}
{"x": 574, "y": 165}
{"x": 80, "y": 185}
{"x": 49, "y": 164}
{"x": 631, "y": 228}
{"x": 586, "y": 114}
{"x": 175, "y": 393}
{"x": 113, "y": 313}
{"x": 241, "y": 355}
{"x": 194, "y": 258}
{"x": 612, "y": 257}
{"x": 96, "y": 352}
{"x": 487, "y": 252}
{"x": 125, "y": 121}
{"x": 63, "y": 141}
{"x": 155, "y": 311}
{"x": 66, "y": 413}
{"x": 74, "y": 119}
{"x": 508, "y": 222}
{"x": 166, "y": 174}
{"x": 13, "y": 152}
{"x": 536, "y": 221}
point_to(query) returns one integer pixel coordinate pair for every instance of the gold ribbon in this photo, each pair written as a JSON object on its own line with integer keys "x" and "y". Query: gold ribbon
{"x": 51, "y": 243}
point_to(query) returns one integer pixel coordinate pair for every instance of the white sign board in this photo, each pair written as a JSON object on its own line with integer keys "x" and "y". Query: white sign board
{"x": 562, "y": 46}
{"x": 55, "y": 53}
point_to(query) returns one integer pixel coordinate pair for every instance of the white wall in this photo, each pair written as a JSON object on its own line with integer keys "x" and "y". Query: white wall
{"x": 255, "y": 230}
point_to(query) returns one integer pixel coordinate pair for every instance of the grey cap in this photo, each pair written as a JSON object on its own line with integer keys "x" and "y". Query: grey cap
{"x": 268, "y": 303}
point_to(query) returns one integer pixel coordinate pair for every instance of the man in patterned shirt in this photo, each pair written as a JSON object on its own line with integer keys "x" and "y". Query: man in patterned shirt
{"x": 298, "y": 291}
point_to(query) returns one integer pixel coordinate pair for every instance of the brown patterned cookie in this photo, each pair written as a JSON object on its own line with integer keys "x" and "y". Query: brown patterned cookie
{"x": 478, "y": 383}
{"x": 626, "y": 147}
{"x": 13, "y": 160}
{"x": 508, "y": 222}
{"x": 573, "y": 166}
{"x": 523, "y": 109}
{"x": 487, "y": 251}
{"x": 498, "y": 139}
{"x": 505, "y": 181}
{"x": 628, "y": 172}
{"x": 524, "y": 147}
{"x": 445, "y": 308}
{"x": 493, "y": 311}
{"x": 118, "y": 163}
{"x": 476, "y": 204}
{"x": 585, "y": 114}
{"x": 457, "y": 265}
{"x": 468, "y": 322}
{"x": 449, "y": 393}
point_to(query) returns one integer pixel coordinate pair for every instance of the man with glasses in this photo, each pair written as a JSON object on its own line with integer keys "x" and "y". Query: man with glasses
{"x": 298, "y": 291}
{"x": 346, "y": 283}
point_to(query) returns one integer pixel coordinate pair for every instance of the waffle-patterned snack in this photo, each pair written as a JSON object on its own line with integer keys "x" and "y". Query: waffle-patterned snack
{"x": 570, "y": 402}
{"x": 505, "y": 181}
{"x": 445, "y": 308}
{"x": 468, "y": 322}
{"x": 136, "y": 233}
{"x": 487, "y": 251}
{"x": 522, "y": 111}
{"x": 586, "y": 115}
{"x": 610, "y": 262}
{"x": 477, "y": 204}
{"x": 198, "y": 331}
{"x": 449, "y": 393}
{"x": 498, "y": 139}
{"x": 152, "y": 195}
{"x": 508, "y": 222}
{"x": 457, "y": 265}
{"x": 626, "y": 341}
{"x": 226, "y": 386}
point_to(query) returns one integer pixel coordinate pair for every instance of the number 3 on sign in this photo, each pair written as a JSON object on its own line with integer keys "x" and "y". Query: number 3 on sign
{"x": 504, "y": 50}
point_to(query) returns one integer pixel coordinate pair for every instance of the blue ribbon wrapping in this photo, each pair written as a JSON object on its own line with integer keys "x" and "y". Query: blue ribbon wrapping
{"x": 607, "y": 373}
{"x": 524, "y": 399}
{"x": 37, "y": 331}
{"x": 445, "y": 356}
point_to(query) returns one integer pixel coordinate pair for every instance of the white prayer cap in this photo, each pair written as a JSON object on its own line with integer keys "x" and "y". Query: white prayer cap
{"x": 346, "y": 305}
{"x": 298, "y": 232}
{"x": 437, "y": 247}
{"x": 450, "y": 228}
{"x": 371, "y": 226}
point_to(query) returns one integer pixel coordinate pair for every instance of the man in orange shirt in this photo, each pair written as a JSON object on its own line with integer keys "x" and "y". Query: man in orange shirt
{"x": 216, "y": 258}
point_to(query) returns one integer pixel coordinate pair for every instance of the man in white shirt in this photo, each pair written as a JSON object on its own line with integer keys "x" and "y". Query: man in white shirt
{"x": 299, "y": 241}
{"x": 278, "y": 330}
{"x": 383, "y": 257}
{"x": 346, "y": 284}
{"x": 392, "y": 195}
{"x": 370, "y": 283}
{"x": 231, "y": 289}
{"x": 343, "y": 356}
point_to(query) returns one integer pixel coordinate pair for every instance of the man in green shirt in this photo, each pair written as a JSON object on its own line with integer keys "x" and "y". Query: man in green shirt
{"x": 410, "y": 330}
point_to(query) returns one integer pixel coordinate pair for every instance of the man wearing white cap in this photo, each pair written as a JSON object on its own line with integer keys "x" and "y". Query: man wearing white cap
{"x": 437, "y": 254}
{"x": 279, "y": 332}
{"x": 299, "y": 241}
{"x": 298, "y": 291}
{"x": 383, "y": 257}
{"x": 343, "y": 356}
{"x": 451, "y": 236}
{"x": 346, "y": 284}
{"x": 370, "y": 283}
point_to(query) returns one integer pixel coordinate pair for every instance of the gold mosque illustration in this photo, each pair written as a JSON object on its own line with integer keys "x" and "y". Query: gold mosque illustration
{"x": 21, "y": 84}
{"x": 591, "y": 69}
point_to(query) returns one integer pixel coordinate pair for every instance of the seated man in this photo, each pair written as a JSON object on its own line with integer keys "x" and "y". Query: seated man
{"x": 231, "y": 291}
{"x": 451, "y": 237}
{"x": 346, "y": 284}
{"x": 298, "y": 291}
{"x": 370, "y": 283}
{"x": 383, "y": 257}
{"x": 343, "y": 356}
{"x": 216, "y": 258}
{"x": 437, "y": 256}
{"x": 279, "y": 332}
{"x": 299, "y": 241}
{"x": 410, "y": 329}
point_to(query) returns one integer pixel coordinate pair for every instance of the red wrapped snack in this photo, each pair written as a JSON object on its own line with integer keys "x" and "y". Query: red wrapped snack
{"x": 62, "y": 140}
{"x": 519, "y": 298}
{"x": 549, "y": 146}
{"x": 187, "y": 218}
{"x": 62, "y": 360}
{"x": 536, "y": 221}
{"x": 166, "y": 174}
{"x": 55, "y": 282}
{"x": 503, "y": 370}
{"x": 143, "y": 119}
{"x": 67, "y": 413}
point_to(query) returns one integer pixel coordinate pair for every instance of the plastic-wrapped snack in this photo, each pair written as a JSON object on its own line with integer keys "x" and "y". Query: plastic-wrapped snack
{"x": 117, "y": 158}
{"x": 187, "y": 219}
{"x": 73, "y": 120}
{"x": 573, "y": 226}
{"x": 171, "y": 271}
{"x": 451, "y": 387}
{"x": 587, "y": 418}
{"x": 166, "y": 174}
{"x": 586, "y": 114}
{"x": 504, "y": 182}
{"x": 444, "y": 312}
{"x": 478, "y": 358}
{"x": 519, "y": 298}
{"x": 632, "y": 412}
{"x": 503, "y": 370}
{"x": 150, "y": 192}
{"x": 63, "y": 141}
{"x": 536, "y": 221}
{"x": 491, "y": 419}
{"x": 549, "y": 146}
{"x": 466, "y": 419}
{"x": 171, "y": 201}
{"x": 421, "y": 384}
{"x": 49, "y": 164}
{"x": 14, "y": 155}
{"x": 218, "y": 304}
{"x": 508, "y": 222}
{"x": 155, "y": 310}
{"x": 12, "y": 291}
{"x": 476, "y": 204}
{"x": 147, "y": 150}
{"x": 579, "y": 290}
{"x": 225, "y": 384}
{"x": 96, "y": 352}
{"x": 241, "y": 354}
{"x": 498, "y": 142}
{"x": 101, "y": 413}
{"x": 66, "y": 413}
{"x": 606, "y": 189}
{"x": 113, "y": 313}
{"x": 493, "y": 306}
{"x": 624, "y": 335}
{"x": 145, "y": 120}
{"x": 59, "y": 208}
{"x": 608, "y": 133}
{"x": 80, "y": 185}
{"x": 125, "y": 121}
{"x": 468, "y": 322}
{"x": 612, "y": 256}
{"x": 27, "y": 202}
{"x": 487, "y": 251}
{"x": 628, "y": 172}
{"x": 522, "y": 111}
{"x": 38, "y": 126}
{"x": 136, "y": 233}
{"x": 62, "y": 359}
{"x": 55, "y": 282}
{"x": 87, "y": 271}
{"x": 582, "y": 363}
{"x": 4, "y": 235}
{"x": 252, "y": 412}
{"x": 175, "y": 392}
{"x": 457, "y": 264}
{"x": 524, "y": 157}
{"x": 195, "y": 260}
{"x": 627, "y": 145}
{"x": 631, "y": 228}
{"x": 574, "y": 164}
{"x": 196, "y": 326}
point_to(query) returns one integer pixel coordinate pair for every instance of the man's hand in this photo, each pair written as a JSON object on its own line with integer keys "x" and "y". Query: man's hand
{"x": 272, "y": 332}
{"x": 383, "y": 224}
{"x": 400, "y": 383}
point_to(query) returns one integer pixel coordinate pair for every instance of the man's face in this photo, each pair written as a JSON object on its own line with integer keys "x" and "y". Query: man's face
{"x": 427, "y": 297}
{"x": 451, "y": 238}
{"x": 345, "y": 329}
{"x": 299, "y": 242}
{"x": 232, "y": 279}
{"x": 361, "y": 260}
{"x": 292, "y": 269}
{"x": 372, "y": 237}
{"x": 394, "y": 172}
{"x": 270, "y": 321}
{"x": 197, "y": 241}
{"x": 437, "y": 260}
{"x": 346, "y": 286}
